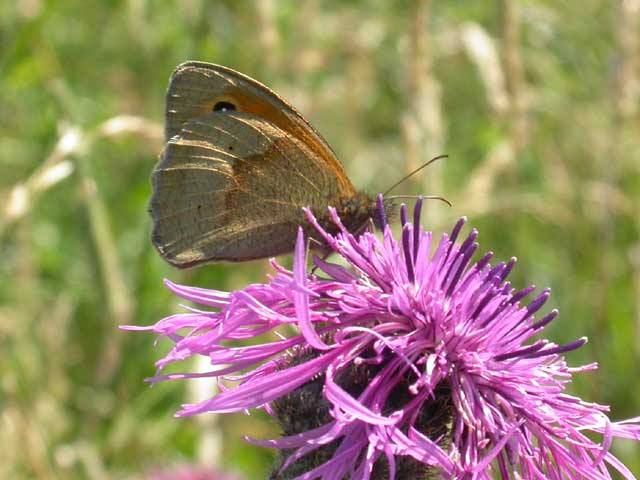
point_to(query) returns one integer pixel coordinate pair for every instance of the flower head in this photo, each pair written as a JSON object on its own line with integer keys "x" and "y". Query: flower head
{"x": 411, "y": 362}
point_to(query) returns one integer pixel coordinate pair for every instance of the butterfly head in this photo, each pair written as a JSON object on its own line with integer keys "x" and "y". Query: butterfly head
{"x": 361, "y": 210}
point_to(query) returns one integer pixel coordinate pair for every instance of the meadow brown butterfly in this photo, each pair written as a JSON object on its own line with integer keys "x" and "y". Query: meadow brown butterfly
{"x": 239, "y": 165}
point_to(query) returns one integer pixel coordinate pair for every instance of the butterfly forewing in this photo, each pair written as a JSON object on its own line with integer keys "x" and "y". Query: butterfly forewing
{"x": 196, "y": 88}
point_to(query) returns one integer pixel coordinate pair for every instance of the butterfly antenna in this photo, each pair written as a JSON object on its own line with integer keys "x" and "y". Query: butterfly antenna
{"x": 409, "y": 175}
{"x": 426, "y": 197}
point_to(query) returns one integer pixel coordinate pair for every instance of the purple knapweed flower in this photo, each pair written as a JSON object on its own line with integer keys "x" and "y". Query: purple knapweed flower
{"x": 409, "y": 363}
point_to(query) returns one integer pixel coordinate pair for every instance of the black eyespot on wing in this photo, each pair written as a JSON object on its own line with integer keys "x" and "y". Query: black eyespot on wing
{"x": 223, "y": 107}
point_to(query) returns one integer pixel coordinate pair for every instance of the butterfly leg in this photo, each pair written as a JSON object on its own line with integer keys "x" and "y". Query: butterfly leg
{"x": 319, "y": 245}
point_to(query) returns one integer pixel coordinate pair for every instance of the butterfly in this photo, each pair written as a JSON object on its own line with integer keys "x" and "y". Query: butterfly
{"x": 239, "y": 165}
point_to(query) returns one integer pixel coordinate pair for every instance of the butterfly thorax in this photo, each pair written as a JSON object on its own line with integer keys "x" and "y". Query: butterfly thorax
{"x": 357, "y": 212}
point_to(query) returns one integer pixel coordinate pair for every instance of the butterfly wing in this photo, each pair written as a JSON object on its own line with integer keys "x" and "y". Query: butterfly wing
{"x": 197, "y": 88}
{"x": 239, "y": 165}
{"x": 231, "y": 186}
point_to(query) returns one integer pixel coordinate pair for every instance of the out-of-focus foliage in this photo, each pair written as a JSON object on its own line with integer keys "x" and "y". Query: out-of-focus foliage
{"x": 535, "y": 102}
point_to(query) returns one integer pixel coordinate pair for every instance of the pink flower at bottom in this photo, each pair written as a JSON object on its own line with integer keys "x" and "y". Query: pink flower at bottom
{"x": 188, "y": 472}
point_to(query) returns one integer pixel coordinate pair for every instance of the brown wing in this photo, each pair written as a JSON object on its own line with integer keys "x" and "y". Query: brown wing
{"x": 197, "y": 88}
{"x": 231, "y": 187}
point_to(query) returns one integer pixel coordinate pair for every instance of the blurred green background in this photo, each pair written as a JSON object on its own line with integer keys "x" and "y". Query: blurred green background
{"x": 536, "y": 103}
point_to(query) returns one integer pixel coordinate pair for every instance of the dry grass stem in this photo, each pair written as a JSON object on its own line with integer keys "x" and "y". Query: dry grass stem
{"x": 58, "y": 165}
{"x": 513, "y": 72}
{"x": 480, "y": 186}
{"x": 423, "y": 125}
{"x": 483, "y": 52}
{"x": 627, "y": 76}
{"x": 210, "y": 442}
